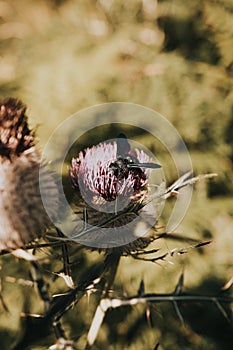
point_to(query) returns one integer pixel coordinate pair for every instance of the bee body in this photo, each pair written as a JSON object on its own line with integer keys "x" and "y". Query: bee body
{"x": 126, "y": 162}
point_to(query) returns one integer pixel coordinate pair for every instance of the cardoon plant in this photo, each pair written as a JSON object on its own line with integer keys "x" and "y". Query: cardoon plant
{"x": 119, "y": 213}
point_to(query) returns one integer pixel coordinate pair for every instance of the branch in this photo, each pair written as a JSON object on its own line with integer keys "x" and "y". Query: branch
{"x": 183, "y": 181}
{"x": 172, "y": 253}
{"x": 114, "y": 303}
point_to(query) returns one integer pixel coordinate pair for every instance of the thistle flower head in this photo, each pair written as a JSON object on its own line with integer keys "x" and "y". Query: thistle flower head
{"x": 102, "y": 178}
{"x": 22, "y": 214}
{"x": 108, "y": 185}
{"x": 15, "y": 135}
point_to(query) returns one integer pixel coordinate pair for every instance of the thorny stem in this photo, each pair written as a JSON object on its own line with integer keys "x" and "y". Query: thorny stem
{"x": 104, "y": 276}
{"x": 183, "y": 181}
{"x": 59, "y": 305}
{"x": 159, "y": 298}
{"x": 108, "y": 303}
{"x": 111, "y": 265}
{"x": 65, "y": 255}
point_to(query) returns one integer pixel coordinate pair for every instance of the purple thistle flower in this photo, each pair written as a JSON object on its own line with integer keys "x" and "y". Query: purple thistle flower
{"x": 106, "y": 189}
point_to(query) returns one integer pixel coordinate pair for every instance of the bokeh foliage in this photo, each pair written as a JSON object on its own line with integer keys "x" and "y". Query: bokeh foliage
{"x": 174, "y": 56}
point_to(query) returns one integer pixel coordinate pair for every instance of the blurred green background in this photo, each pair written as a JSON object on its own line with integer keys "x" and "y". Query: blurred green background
{"x": 175, "y": 57}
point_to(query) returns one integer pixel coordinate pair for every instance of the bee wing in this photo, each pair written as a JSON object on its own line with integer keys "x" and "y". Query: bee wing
{"x": 145, "y": 165}
{"x": 123, "y": 146}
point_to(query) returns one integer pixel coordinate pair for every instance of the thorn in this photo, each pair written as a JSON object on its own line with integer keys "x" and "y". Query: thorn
{"x": 228, "y": 284}
{"x": 222, "y": 311}
{"x": 141, "y": 289}
{"x": 202, "y": 244}
{"x": 178, "y": 312}
{"x": 20, "y": 253}
{"x": 68, "y": 279}
{"x": 148, "y": 315}
{"x": 88, "y": 296}
{"x": 180, "y": 284}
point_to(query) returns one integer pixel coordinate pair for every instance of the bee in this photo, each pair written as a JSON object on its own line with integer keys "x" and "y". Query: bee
{"x": 126, "y": 162}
